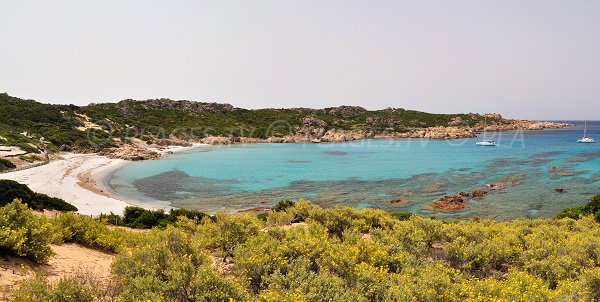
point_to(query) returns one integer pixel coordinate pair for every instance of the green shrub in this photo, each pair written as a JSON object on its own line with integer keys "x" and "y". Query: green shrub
{"x": 70, "y": 290}
{"x": 282, "y": 205}
{"x": 80, "y": 287}
{"x": 112, "y": 219}
{"x": 191, "y": 214}
{"x": 31, "y": 158}
{"x": 23, "y": 233}
{"x": 37, "y": 288}
{"x": 234, "y": 230}
{"x": 591, "y": 208}
{"x": 6, "y": 165}
{"x": 573, "y": 213}
{"x": 401, "y": 215}
{"x": 136, "y": 217}
{"x": 168, "y": 266}
{"x": 27, "y": 147}
{"x": 10, "y": 189}
{"x": 262, "y": 216}
{"x": 87, "y": 231}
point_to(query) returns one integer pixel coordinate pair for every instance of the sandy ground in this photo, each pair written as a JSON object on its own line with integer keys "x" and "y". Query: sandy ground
{"x": 73, "y": 179}
{"x": 68, "y": 260}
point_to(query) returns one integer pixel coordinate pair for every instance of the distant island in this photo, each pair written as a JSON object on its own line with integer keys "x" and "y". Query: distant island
{"x": 31, "y": 132}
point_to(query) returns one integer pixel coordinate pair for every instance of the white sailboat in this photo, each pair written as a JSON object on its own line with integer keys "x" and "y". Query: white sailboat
{"x": 484, "y": 141}
{"x": 585, "y": 138}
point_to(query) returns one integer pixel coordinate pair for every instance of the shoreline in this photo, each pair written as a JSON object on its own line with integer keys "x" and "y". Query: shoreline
{"x": 79, "y": 179}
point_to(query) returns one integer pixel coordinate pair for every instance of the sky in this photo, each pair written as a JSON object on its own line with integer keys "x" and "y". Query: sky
{"x": 537, "y": 59}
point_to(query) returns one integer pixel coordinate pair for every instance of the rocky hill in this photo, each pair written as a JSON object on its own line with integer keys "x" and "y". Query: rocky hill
{"x": 45, "y": 128}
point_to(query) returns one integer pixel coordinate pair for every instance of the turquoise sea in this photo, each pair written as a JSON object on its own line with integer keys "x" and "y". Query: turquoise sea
{"x": 528, "y": 168}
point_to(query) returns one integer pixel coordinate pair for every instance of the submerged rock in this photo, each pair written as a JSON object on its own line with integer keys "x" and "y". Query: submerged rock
{"x": 479, "y": 194}
{"x": 449, "y": 203}
{"x": 399, "y": 202}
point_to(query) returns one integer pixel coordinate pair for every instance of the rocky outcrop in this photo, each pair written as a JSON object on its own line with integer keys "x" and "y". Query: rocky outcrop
{"x": 334, "y": 135}
{"x": 314, "y": 130}
{"x": 449, "y": 203}
{"x": 399, "y": 202}
{"x": 508, "y": 125}
{"x": 563, "y": 171}
{"x": 431, "y": 133}
{"x": 464, "y": 194}
{"x": 128, "y": 106}
{"x": 129, "y": 153}
{"x": 310, "y": 121}
{"x": 504, "y": 182}
{"x": 217, "y": 140}
{"x": 479, "y": 194}
{"x": 345, "y": 111}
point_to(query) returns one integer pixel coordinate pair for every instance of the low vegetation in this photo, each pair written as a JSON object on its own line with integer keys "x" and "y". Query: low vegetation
{"x": 31, "y": 158}
{"x": 337, "y": 254}
{"x": 23, "y": 233}
{"x": 10, "y": 190}
{"x": 87, "y": 231}
{"x": 34, "y": 126}
{"x": 6, "y": 165}
{"x": 140, "y": 218}
{"x": 28, "y": 235}
{"x": 592, "y": 208}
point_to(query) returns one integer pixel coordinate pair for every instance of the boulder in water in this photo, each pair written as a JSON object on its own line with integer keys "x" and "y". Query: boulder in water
{"x": 449, "y": 203}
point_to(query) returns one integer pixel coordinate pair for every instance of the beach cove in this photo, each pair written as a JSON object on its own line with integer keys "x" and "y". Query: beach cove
{"x": 530, "y": 174}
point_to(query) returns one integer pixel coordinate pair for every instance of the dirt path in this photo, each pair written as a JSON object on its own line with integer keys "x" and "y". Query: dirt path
{"x": 68, "y": 259}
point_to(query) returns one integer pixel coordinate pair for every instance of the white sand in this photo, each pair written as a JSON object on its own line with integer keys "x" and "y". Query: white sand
{"x": 59, "y": 179}
{"x": 62, "y": 179}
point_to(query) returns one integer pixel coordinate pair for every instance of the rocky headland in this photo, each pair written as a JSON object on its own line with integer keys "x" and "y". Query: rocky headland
{"x": 308, "y": 133}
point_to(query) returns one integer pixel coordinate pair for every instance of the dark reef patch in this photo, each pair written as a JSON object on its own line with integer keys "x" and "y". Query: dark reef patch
{"x": 534, "y": 161}
{"x": 546, "y": 154}
{"x": 335, "y": 153}
{"x": 584, "y": 157}
{"x": 177, "y": 184}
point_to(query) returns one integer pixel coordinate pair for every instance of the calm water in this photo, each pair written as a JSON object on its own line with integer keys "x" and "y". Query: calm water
{"x": 527, "y": 167}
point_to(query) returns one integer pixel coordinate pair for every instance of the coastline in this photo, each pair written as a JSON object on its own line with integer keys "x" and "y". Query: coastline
{"x": 79, "y": 179}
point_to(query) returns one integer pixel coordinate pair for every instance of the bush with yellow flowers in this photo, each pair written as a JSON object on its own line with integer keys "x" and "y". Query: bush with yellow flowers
{"x": 23, "y": 233}
{"x": 303, "y": 252}
{"x": 70, "y": 227}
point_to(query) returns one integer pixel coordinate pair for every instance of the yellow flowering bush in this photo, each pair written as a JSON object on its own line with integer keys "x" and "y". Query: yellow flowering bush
{"x": 23, "y": 233}
{"x": 70, "y": 227}
{"x": 338, "y": 254}
{"x": 169, "y": 266}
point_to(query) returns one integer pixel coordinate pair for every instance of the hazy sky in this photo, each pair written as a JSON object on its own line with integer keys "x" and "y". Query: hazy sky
{"x": 522, "y": 58}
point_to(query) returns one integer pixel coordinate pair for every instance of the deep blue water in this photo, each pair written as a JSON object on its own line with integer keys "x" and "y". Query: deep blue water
{"x": 527, "y": 166}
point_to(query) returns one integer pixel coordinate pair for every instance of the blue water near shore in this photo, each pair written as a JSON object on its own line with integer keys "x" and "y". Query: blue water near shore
{"x": 525, "y": 169}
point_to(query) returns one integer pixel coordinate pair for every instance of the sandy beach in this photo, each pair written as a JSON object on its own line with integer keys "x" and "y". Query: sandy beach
{"x": 77, "y": 178}
{"x": 66, "y": 179}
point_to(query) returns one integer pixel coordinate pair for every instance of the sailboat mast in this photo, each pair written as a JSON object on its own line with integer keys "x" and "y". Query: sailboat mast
{"x": 484, "y": 126}
{"x": 585, "y": 128}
